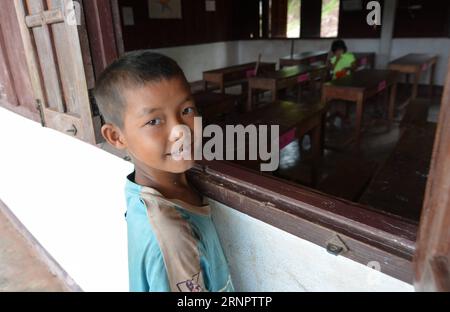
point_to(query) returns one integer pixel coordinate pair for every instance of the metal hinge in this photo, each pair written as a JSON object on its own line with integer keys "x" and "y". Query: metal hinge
{"x": 41, "y": 111}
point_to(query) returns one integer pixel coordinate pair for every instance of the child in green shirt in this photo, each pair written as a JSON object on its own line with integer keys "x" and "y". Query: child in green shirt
{"x": 342, "y": 63}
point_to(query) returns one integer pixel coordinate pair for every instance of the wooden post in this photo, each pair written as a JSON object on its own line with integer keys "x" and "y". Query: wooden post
{"x": 432, "y": 258}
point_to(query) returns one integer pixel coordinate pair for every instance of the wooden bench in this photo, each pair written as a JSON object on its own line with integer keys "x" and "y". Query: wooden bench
{"x": 399, "y": 186}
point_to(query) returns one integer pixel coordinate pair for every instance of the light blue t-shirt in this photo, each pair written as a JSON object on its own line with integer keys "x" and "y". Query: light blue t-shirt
{"x": 172, "y": 245}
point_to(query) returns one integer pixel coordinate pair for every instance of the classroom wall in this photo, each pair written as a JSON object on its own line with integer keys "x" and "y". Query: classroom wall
{"x": 70, "y": 196}
{"x": 195, "y": 59}
{"x": 264, "y": 258}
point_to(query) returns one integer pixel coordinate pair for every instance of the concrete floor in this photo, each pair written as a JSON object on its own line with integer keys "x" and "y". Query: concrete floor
{"x": 21, "y": 269}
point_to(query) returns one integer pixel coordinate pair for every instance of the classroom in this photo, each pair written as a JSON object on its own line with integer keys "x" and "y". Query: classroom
{"x": 345, "y": 103}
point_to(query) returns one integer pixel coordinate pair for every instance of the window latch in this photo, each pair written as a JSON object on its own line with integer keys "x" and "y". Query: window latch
{"x": 336, "y": 246}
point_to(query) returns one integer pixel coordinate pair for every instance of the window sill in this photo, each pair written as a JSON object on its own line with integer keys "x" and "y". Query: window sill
{"x": 313, "y": 216}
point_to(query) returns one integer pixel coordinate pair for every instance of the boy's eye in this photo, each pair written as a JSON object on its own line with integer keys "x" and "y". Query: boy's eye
{"x": 188, "y": 110}
{"x": 155, "y": 122}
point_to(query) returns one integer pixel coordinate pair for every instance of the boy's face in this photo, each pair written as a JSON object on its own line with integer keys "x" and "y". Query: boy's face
{"x": 151, "y": 113}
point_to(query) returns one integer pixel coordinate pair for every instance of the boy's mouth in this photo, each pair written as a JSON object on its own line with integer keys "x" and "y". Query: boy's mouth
{"x": 178, "y": 153}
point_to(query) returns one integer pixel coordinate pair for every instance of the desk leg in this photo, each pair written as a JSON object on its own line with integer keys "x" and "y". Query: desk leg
{"x": 249, "y": 99}
{"x": 432, "y": 73}
{"x": 205, "y": 85}
{"x": 416, "y": 85}
{"x": 391, "y": 107}
{"x": 323, "y": 125}
{"x": 359, "y": 117}
{"x": 274, "y": 94}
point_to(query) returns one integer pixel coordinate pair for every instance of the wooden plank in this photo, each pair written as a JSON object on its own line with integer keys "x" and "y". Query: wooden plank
{"x": 47, "y": 60}
{"x": 7, "y": 92}
{"x": 101, "y": 29}
{"x": 399, "y": 186}
{"x": 432, "y": 259}
{"x": 14, "y": 54}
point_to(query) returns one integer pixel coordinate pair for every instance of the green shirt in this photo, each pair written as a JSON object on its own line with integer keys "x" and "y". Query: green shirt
{"x": 346, "y": 61}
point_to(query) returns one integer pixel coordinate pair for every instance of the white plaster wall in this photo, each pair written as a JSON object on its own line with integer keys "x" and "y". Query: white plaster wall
{"x": 264, "y": 258}
{"x": 195, "y": 59}
{"x": 70, "y": 196}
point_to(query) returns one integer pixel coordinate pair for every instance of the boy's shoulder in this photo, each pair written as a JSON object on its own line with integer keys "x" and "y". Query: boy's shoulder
{"x": 155, "y": 202}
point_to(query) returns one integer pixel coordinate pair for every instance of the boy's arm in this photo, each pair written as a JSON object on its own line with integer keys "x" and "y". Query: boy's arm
{"x": 155, "y": 271}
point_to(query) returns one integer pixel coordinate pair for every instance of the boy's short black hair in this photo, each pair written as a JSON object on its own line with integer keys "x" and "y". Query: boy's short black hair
{"x": 132, "y": 70}
{"x": 338, "y": 45}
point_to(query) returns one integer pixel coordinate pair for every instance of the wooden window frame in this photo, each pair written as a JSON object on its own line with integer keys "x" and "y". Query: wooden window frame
{"x": 308, "y": 214}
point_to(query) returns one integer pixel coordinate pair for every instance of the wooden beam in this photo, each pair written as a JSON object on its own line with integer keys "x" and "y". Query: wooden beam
{"x": 432, "y": 259}
{"x": 101, "y": 32}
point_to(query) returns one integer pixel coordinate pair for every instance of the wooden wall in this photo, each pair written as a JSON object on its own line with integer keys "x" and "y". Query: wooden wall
{"x": 232, "y": 20}
{"x": 353, "y": 24}
{"x": 430, "y": 21}
{"x": 239, "y": 20}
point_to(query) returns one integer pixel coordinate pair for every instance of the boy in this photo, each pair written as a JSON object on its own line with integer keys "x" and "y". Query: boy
{"x": 342, "y": 63}
{"x": 172, "y": 241}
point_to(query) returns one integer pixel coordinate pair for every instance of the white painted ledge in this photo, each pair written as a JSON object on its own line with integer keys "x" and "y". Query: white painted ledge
{"x": 70, "y": 196}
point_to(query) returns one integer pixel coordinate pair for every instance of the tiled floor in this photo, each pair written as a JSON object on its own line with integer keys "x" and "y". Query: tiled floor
{"x": 21, "y": 269}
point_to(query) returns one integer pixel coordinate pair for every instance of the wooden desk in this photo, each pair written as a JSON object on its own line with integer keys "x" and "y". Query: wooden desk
{"x": 282, "y": 79}
{"x": 360, "y": 86}
{"x": 399, "y": 186}
{"x": 304, "y": 58}
{"x": 213, "y": 106}
{"x": 294, "y": 121}
{"x": 366, "y": 59}
{"x": 233, "y": 75}
{"x": 416, "y": 65}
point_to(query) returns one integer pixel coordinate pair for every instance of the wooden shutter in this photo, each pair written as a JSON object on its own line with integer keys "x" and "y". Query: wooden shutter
{"x": 56, "y": 66}
{"x": 432, "y": 259}
{"x": 279, "y": 18}
{"x": 15, "y": 86}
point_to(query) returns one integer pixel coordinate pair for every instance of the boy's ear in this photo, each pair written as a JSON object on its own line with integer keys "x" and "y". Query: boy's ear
{"x": 113, "y": 135}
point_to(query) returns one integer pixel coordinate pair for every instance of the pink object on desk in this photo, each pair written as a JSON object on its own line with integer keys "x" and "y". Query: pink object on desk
{"x": 363, "y": 61}
{"x": 382, "y": 86}
{"x": 251, "y": 73}
{"x": 303, "y": 77}
{"x": 424, "y": 67}
{"x": 287, "y": 138}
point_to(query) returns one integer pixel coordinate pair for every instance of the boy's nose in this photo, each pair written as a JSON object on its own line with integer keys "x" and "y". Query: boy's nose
{"x": 179, "y": 132}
